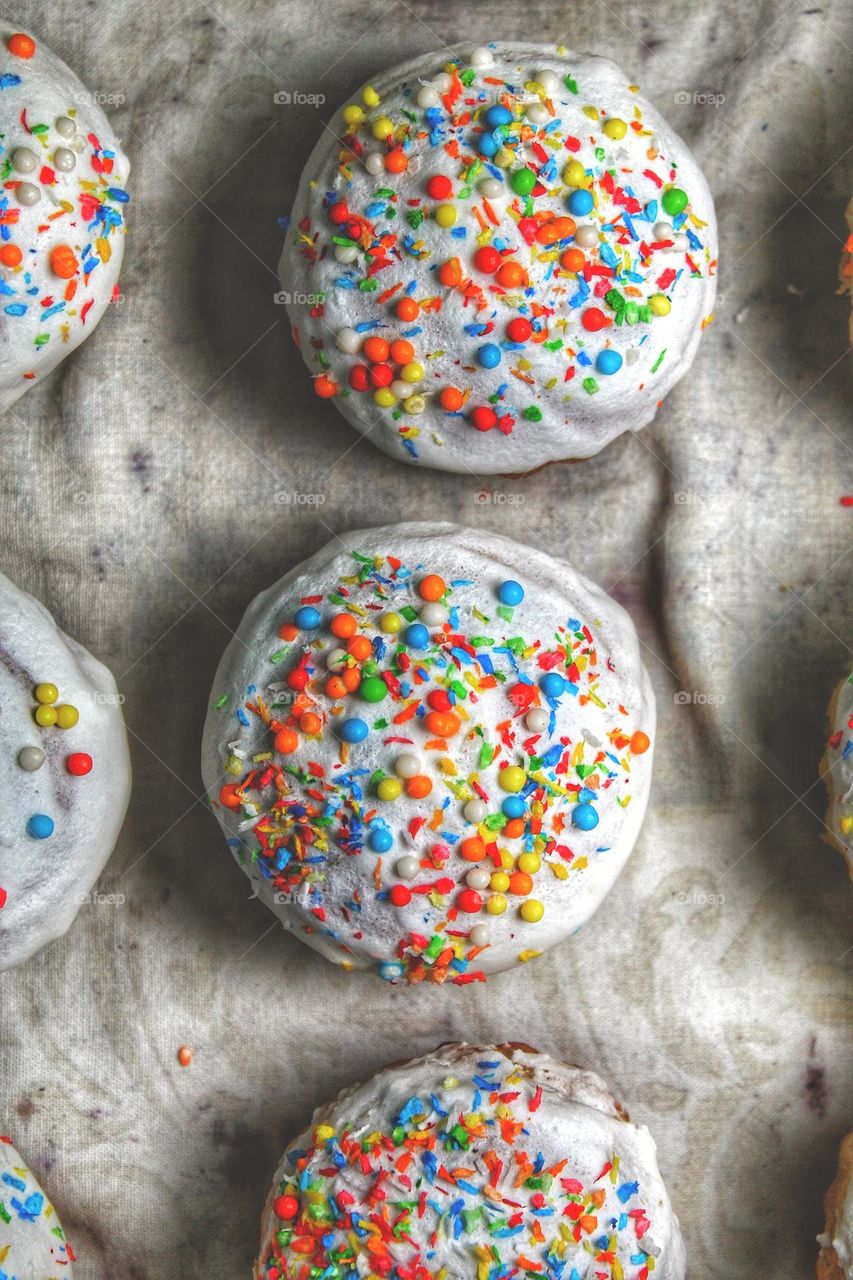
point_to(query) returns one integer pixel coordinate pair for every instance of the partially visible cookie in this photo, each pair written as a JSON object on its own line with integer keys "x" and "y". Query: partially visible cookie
{"x": 32, "y": 1242}
{"x": 837, "y": 770}
{"x": 845, "y": 266}
{"x": 835, "y": 1261}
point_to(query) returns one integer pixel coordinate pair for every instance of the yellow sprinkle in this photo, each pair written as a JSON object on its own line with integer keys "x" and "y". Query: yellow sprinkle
{"x": 591, "y": 113}
{"x": 560, "y": 870}
{"x": 524, "y": 956}
{"x": 446, "y": 765}
{"x": 324, "y": 1132}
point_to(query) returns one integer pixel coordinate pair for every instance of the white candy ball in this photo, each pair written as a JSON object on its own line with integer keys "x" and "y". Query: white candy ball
{"x": 64, "y": 160}
{"x": 336, "y": 659}
{"x": 434, "y": 614}
{"x": 348, "y": 340}
{"x": 586, "y": 236}
{"x": 479, "y": 936}
{"x": 27, "y": 194}
{"x": 537, "y": 114}
{"x": 428, "y": 97}
{"x": 407, "y": 868}
{"x": 492, "y": 188}
{"x": 346, "y": 253}
{"x": 408, "y": 765}
{"x": 662, "y": 231}
{"x": 549, "y": 81}
{"x": 415, "y": 404}
{"x": 536, "y": 720}
{"x": 680, "y": 244}
{"x": 482, "y": 57}
{"x": 475, "y": 811}
{"x": 478, "y": 878}
{"x": 402, "y": 390}
{"x": 67, "y": 128}
{"x": 375, "y": 163}
{"x": 442, "y": 82}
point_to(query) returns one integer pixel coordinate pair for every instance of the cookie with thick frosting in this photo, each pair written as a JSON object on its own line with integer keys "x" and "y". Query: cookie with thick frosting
{"x": 62, "y": 212}
{"x": 499, "y": 259}
{"x": 429, "y": 749}
{"x": 32, "y": 1242}
{"x": 65, "y": 773}
{"x": 472, "y": 1162}
{"x": 835, "y": 1260}
{"x": 837, "y": 770}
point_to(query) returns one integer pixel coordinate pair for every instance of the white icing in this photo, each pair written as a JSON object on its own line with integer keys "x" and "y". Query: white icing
{"x": 575, "y": 1119}
{"x": 574, "y": 423}
{"x": 554, "y": 593}
{"x": 49, "y": 92}
{"x": 32, "y": 1243}
{"x": 45, "y": 880}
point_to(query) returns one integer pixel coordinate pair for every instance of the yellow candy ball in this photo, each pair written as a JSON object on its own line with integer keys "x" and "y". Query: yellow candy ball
{"x": 507, "y": 860}
{"x": 412, "y": 372}
{"x": 512, "y": 778}
{"x": 390, "y": 623}
{"x": 415, "y": 404}
{"x": 67, "y": 716}
{"x": 504, "y": 157}
{"x": 496, "y": 904}
{"x": 389, "y": 789}
{"x": 46, "y": 693}
{"x": 353, "y": 115}
{"x": 574, "y": 174}
{"x": 615, "y": 128}
{"x": 499, "y": 882}
{"x": 660, "y": 304}
{"x": 382, "y": 128}
{"x": 532, "y": 911}
{"x": 445, "y": 215}
{"x": 369, "y": 96}
{"x": 384, "y": 397}
{"x": 529, "y": 862}
{"x": 45, "y": 716}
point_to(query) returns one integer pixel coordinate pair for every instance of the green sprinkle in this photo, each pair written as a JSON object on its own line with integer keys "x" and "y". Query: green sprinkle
{"x": 221, "y": 700}
{"x": 590, "y": 386}
{"x": 570, "y": 84}
{"x": 532, "y": 413}
{"x": 657, "y": 364}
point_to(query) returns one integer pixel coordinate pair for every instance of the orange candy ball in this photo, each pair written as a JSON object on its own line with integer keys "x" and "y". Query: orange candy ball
{"x": 513, "y": 829}
{"x": 288, "y": 631}
{"x": 359, "y": 648}
{"x": 640, "y": 743}
{"x": 10, "y": 255}
{"x": 419, "y": 787}
{"x": 407, "y": 310}
{"x": 396, "y": 162}
{"x": 554, "y": 230}
{"x": 351, "y": 677}
{"x": 229, "y": 796}
{"x": 335, "y": 687}
{"x": 285, "y": 741}
{"x": 432, "y": 587}
{"x": 450, "y": 272}
{"x": 573, "y": 260}
{"x": 343, "y": 625}
{"x": 21, "y": 46}
{"x": 520, "y": 883}
{"x": 452, "y": 399}
{"x": 325, "y": 387}
{"x": 310, "y": 722}
{"x": 376, "y": 350}
{"x": 510, "y": 274}
{"x": 63, "y": 263}
{"x": 402, "y": 352}
{"x": 442, "y": 724}
{"x": 473, "y": 849}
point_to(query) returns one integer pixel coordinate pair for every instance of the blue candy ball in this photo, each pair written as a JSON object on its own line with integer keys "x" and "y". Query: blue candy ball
{"x": 585, "y": 817}
{"x": 498, "y": 115}
{"x": 416, "y": 636}
{"x": 353, "y": 730}
{"x": 380, "y": 840}
{"x": 307, "y": 618}
{"x": 552, "y": 684}
{"x": 513, "y": 807}
{"x": 511, "y": 593}
{"x": 489, "y": 355}
{"x": 391, "y": 970}
{"x": 580, "y": 202}
{"x": 40, "y": 826}
{"x": 488, "y": 146}
{"x": 608, "y": 361}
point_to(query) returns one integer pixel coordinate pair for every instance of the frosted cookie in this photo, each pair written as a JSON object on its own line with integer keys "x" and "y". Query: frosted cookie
{"x": 471, "y": 1163}
{"x": 62, "y": 212}
{"x": 32, "y": 1242}
{"x": 65, "y": 773}
{"x": 835, "y": 1261}
{"x": 429, "y": 749}
{"x": 499, "y": 259}
{"x": 837, "y": 770}
{"x": 845, "y": 267}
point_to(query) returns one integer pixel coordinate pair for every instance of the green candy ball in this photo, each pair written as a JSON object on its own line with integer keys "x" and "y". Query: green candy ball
{"x": 523, "y": 181}
{"x": 373, "y": 689}
{"x": 674, "y": 201}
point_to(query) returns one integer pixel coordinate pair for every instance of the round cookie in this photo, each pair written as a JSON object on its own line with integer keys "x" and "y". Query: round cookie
{"x": 429, "y": 749}
{"x": 499, "y": 259}
{"x": 837, "y": 770}
{"x": 472, "y": 1162}
{"x": 835, "y": 1260}
{"x": 63, "y": 212}
{"x": 65, "y": 775}
{"x": 32, "y": 1242}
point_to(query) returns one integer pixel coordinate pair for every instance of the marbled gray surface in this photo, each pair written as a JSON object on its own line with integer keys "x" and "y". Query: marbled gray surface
{"x": 142, "y": 497}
